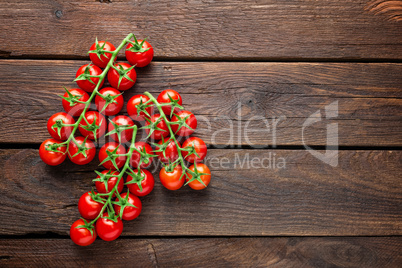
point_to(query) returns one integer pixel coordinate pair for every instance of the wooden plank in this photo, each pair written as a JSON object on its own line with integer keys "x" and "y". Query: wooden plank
{"x": 362, "y": 196}
{"x": 227, "y": 96}
{"x": 201, "y": 252}
{"x": 253, "y": 29}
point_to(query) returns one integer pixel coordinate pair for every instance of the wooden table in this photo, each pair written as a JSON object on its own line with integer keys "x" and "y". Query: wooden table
{"x": 235, "y": 62}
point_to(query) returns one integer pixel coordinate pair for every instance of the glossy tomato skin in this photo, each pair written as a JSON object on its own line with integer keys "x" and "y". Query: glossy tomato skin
{"x": 112, "y": 108}
{"x": 80, "y": 159}
{"x": 113, "y": 77}
{"x": 132, "y": 109}
{"x": 111, "y": 146}
{"x": 191, "y": 121}
{"x": 172, "y": 180}
{"x": 158, "y": 134}
{"x": 136, "y": 156}
{"x": 77, "y": 108}
{"x": 140, "y": 59}
{"x": 64, "y": 131}
{"x": 104, "y": 59}
{"x": 85, "y": 84}
{"x": 108, "y": 230}
{"x": 88, "y": 208}
{"x": 81, "y": 236}
{"x": 111, "y": 183}
{"x": 49, "y": 157}
{"x": 171, "y": 152}
{"x": 100, "y": 121}
{"x": 129, "y": 213}
{"x": 164, "y": 98}
{"x": 195, "y": 184}
{"x": 200, "y": 148}
{"x": 147, "y": 184}
{"x": 127, "y": 134}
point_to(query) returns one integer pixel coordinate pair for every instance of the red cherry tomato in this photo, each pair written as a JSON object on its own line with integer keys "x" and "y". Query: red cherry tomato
{"x": 111, "y": 146}
{"x": 129, "y": 213}
{"x": 199, "y": 147}
{"x": 172, "y": 180}
{"x": 132, "y": 107}
{"x": 80, "y": 159}
{"x": 108, "y": 230}
{"x": 136, "y": 156}
{"x": 75, "y": 108}
{"x": 125, "y": 134}
{"x": 80, "y": 235}
{"x": 191, "y": 121}
{"x": 111, "y": 183}
{"x": 103, "y": 59}
{"x": 91, "y": 70}
{"x": 113, "y": 101}
{"x": 59, "y": 119}
{"x": 114, "y": 76}
{"x": 147, "y": 183}
{"x": 49, "y": 157}
{"x": 137, "y": 55}
{"x": 171, "y": 152}
{"x": 88, "y": 208}
{"x": 195, "y": 184}
{"x": 86, "y": 126}
{"x": 157, "y": 134}
{"x": 164, "y": 98}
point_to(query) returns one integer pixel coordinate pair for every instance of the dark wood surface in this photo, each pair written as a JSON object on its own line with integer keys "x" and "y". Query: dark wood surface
{"x": 230, "y": 60}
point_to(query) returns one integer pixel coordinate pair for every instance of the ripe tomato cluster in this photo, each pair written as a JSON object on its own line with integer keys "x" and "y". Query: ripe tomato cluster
{"x": 167, "y": 125}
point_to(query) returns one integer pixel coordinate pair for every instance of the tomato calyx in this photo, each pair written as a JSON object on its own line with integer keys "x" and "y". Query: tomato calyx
{"x": 137, "y": 47}
{"x": 191, "y": 150}
{"x": 144, "y": 156}
{"x": 123, "y": 203}
{"x": 58, "y": 125}
{"x": 137, "y": 178}
{"x": 170, "y": 166}
{"x": 173, "y": 103}
{"x": 181, "y": 122}
{"x": 109, "y": 99}
{"x": 86, "y": 75}
{"x": 162, "y": 147}
{"x": 72, "y": 99}
{"x": 196, "y": 175}
{"x": 123, "y": 73}
{"x": 93, "y": 127}
{"x": 113, "y": 218}
{"x": 87, "y": 225}
{"x": 97, "y": 198}
{"x": 118, "y": 129}
{"x": 100, "y": 50}
{"x": 111, "y": 156}
{"x": 104, "y": 178}
{"x": 81, "y": 148}
{"x": 54, "y": 147}
{"x": 152, "y": 126}
{"x": 141, "y": 107}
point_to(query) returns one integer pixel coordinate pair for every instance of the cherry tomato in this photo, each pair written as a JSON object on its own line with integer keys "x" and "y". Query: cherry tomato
{"x": 88, "y": 208}
{"x": 195, "y": 184}
{"x": 114, "y": 76}
{"x": 157, "y": 134}
{"x": 107, "y": 229}
{"x": 75, "y": 108}
{"x": 132, "y": 109}
{"x": 87, "y": 125}
{"x": 129, "y": 213}
{"x": 136, "y": 156}
{"x": 137, "y": 55}
{"x": 80, "y": 159}
{"x": 172, "y": 180}
{"x": 111, "y": 183}
{"x": 147, "y": 183}
{"x": 199, "y": 147}
{"x": 113, "y": 101}
{"x": 111, "y": 146}
{"x": 125, "y": 134}
{"x": 91, "y": 70}
{"x": 80, "y": 235}
{"x": 171, "y": 152}
{"x": 164, "y": 98}
{"x": 191, "y": 121}
{"x": 49, "y": 157}
{"x": 103, "y": 59}
{"x": 59, "y": 119}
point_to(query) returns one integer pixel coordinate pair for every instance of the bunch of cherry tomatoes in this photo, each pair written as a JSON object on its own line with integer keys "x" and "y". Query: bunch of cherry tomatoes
{"x": 103, "y": 210}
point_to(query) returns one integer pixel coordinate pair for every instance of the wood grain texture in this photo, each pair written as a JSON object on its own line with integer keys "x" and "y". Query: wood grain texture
{"x": 362, "y": 196}
{"x": 391, "y": 9}
{"x": 199, "y": 252}
{"x": 229, "y": 97}
{"x": 203, "y": 29}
